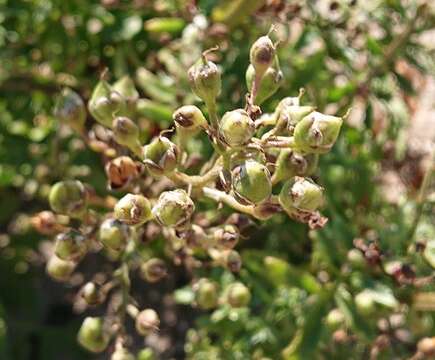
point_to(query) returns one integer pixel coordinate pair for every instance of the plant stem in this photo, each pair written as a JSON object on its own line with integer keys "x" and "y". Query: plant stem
{"x": 220, "y": 196}
{"x": 197, "y": 180}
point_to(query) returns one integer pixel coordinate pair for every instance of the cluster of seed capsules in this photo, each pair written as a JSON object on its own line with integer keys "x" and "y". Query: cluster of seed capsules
{"x": 260, "y": 166}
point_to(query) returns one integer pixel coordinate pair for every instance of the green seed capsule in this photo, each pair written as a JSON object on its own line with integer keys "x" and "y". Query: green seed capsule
{"x": 261, "y": 54}
{"x": 126, "y": 133}
{"x": 92, "y": 335}
{"x": 205, "y": 80}
{"x": 91, "y": 293}
{"x": 147, "y": 321}
{"x": 301, "y": 194}
{"x": 68, "y": 198}
{"x": 160, "y": 156}
{"x": 105, "y": 104}
{"x": 334, "y": 319}
{"x": 233, "y": 261}
{"x": 236, "y": 128}
{"x": 270, "y": 83}
{"x": 71, "y": 109}
{"x": 251, "y": 182}
{"x": 238, "y": 295}
{"x": 146, "y": 354}
{"x": 317, "y": 133}
{"x": 206, "y": 294}
{"x": 114, "y": 234}
{"x": 189, "y": 117}
{"x": 153, "y": 270}
{"x": 59, "y": 269}
{"x": 365, "y": 303}
{"x": 356, "y": 259}
{"x": 290, "y": 116}
{"x": 290, "y": 163}
{"x": 133, "y": 209}
{"x": 174, "y": 208}
{"x": 70, "y": 245}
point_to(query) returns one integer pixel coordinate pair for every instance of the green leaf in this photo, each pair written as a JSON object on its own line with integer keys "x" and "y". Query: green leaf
{"x": 429, "y": 253}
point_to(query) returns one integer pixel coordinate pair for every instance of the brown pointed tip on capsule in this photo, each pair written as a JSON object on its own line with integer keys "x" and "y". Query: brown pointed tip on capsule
{"x": 174, "y": 208}
{"x": 160, "y": 156}
{"x": 206, "y": 294}
{"x": 262, "y": 54}
{"x": 147, "y": 321}
{"x": 70, "y": 245}
{"x": 133, "y": 209}
{"x": 236, "y": 128}
{"x": 153, "y": 270}
{"x": 301, "y": 194}
{"x": 238, "y": 295}
{"x": 71, "y": 109}
{"x": 205, "y": 80}
{"x": 59, "y": 269}
{"x": 68, "y": 198}
{"x": 226, "y": 236}
{"x": 114, "y": 234}
{"x": 252, "y": 182}
{"x": 92, "y": 335}
{"x": 45, "y": 222}
{"x": 189, "y": 117}
{"x": 121, "y": 170}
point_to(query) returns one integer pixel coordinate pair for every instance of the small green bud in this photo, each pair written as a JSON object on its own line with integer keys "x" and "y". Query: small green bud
{"x": 122, "y": 353}
{"x": 160, "y": 156}
{"x": 146, "y": 354}
{"x": 290, "y": 163}
{"x": 334, "y": 319}
{"x": 147, "y": 321}
{"x": 205, "y": 80}
{"x": 91, "y": 293}
{"x": 206, "y": 294}
{"x": 70, "y": 245}
{"x": 226, "y": 236}
{"x": 301, "y": 194}
{"x": 71, "y": 109}
{"x": 251, "y": 182}
{"x": 92, "y": 335}
{"x": 133, "y": 209}
{"x": 270, "y": 83}
{"x": 286, "y": 102}
{"x": 114, "y": 234}
{"x": 317, "y": 133}
{"x": 262, "y": 54}
{"x": 174, "y": 208}
{"x": 233, "y": 261}
{"x": 153, "y": 270}
{"x": 356, "y": 259}
{"x": 238, "y": 295}
{"x": 365, "y": 303}
{"x": 189, "y": 117}
{"x": 59, "y": 269}
{"x": 236, "y": 128}
{"x": 105, "y": 104}
{"x": 68, "y": 198}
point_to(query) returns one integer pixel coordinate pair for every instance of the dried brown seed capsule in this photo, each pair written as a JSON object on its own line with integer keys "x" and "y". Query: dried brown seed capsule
{"x": 226, "y": 236}
{"x": 121, "y": 170}
{"x": 45, "y": 223}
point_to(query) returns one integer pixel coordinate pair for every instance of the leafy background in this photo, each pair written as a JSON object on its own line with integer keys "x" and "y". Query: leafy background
{"x": 376, "y": 57}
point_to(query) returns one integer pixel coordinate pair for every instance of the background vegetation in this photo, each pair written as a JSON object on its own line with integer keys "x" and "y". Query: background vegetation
{"x": 374, "y": 56}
